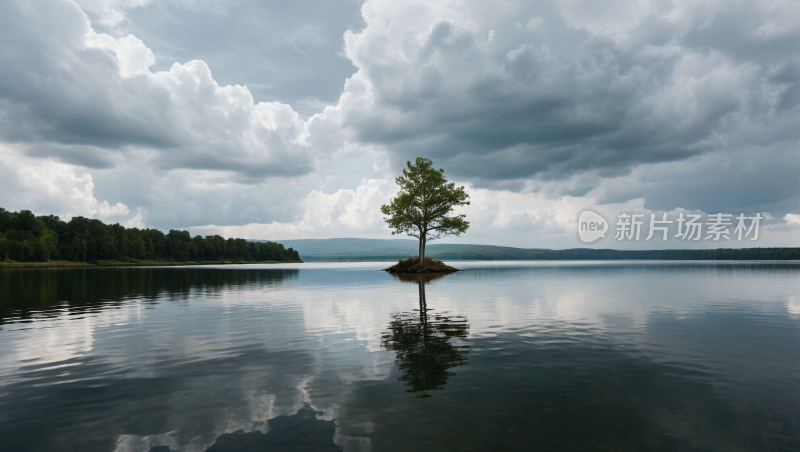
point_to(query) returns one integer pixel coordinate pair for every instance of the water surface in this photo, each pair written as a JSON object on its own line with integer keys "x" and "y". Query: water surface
{"x": 326, "y": 357}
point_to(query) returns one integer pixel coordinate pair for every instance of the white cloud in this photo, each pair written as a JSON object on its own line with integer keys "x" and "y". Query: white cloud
{"x": 505, "y": 217}
{"x": 792, "y": 219}
{"x": 344, "y": 213}
{"x": 111, "y": 13}
{"x": 48, "y": 187}
{"x": 98, "y": 91}
{"x": 526, "y": 219}
{"x": 138, "y": 220}
{"x": 130, "y": 53}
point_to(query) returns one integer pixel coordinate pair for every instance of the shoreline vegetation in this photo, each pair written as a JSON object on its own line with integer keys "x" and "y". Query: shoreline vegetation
{"x": 45, "y": 240}
{"x": 412, "y": 265}
{"x": 68, "y": 264}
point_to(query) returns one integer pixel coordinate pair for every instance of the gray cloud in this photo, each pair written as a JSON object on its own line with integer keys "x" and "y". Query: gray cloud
{"x": 80, "y": 155}
{"x": 288, "y": 52}
{"x": 56, "y": 89}
{"x": 578, "y": 95}
{"x": 62, "y": 83}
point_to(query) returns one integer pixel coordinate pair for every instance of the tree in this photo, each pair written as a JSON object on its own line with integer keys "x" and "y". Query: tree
{"x": 424, "y": 206}
{"x": 48, "y": 244}
{"x": 5, "y": 247}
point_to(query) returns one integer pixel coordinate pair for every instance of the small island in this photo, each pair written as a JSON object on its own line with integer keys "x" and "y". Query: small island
{"x": 412, "y": 265}
{"x": 423, "y": 208}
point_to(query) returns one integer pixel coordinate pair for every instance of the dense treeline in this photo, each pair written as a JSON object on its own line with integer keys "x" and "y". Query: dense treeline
{"x": 25, "y": 237}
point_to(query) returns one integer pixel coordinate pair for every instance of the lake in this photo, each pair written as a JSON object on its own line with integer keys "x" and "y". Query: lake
{"x": 612, "y": 356}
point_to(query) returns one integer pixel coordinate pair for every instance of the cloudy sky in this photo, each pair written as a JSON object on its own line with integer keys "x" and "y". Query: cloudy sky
{"x": 281, "y": 120}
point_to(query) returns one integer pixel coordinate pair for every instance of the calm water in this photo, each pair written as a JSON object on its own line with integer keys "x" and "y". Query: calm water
{"x": 628, "y": 356}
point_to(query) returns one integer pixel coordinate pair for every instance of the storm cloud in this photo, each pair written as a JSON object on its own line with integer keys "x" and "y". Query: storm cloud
{"x": 548, "y": 91}
{"x": 61, "y": 82}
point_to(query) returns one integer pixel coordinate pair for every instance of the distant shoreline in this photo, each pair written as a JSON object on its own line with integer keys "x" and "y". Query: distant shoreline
{"x": 497, "y": 253}
{"x": 370, "y": 250}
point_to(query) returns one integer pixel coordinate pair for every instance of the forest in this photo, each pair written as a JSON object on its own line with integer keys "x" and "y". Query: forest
{"x": 26, "y": 237}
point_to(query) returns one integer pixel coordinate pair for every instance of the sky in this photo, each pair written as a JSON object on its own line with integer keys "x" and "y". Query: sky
{"x": 287, "y": 120}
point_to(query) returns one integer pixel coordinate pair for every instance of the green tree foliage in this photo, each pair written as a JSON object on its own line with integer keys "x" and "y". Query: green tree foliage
{"x": 24, "y": 237}
{"x": 424, "y": 206}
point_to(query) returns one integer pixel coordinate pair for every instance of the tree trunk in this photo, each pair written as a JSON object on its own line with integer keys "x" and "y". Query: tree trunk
{"x": 422, "y": 250}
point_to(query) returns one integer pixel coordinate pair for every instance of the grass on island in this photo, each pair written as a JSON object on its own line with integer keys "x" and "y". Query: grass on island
{"x": 412, "y": 265}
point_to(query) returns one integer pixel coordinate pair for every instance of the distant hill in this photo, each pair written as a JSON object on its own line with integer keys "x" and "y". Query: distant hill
{"x": 353, "y": 249}
{"x": 341, "y": 249}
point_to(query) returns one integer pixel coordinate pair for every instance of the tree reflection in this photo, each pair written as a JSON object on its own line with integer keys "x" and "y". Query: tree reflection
{"x": 425, "y": 342}
{"x": 51, "y": 292}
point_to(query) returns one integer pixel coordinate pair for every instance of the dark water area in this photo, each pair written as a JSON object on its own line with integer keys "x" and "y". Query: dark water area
{"x": 611, "y": 356}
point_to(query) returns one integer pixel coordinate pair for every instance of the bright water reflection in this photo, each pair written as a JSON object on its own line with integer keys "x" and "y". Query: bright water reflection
{"x": 552, "y": 356}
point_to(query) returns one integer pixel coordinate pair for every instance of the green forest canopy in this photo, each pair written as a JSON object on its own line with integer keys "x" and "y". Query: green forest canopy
{"x": 25, "y": 237}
